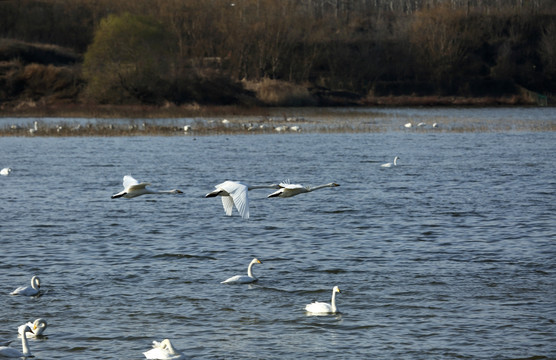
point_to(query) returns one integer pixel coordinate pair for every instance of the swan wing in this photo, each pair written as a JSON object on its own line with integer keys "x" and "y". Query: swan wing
{"x": 157, "y": 353}
{"x": 287, "y": 189}
{"x": 239, "y": 279}
{"x": 129, "y": 181}
{"x": 276, "y": 193}
{"x": 294, "y": 186}
{"x": 238, "y": 197}
{"x": 318, "y": 307}
{"x": 241, "y": 201}
{"x": 138, "y": 186}
{"x": 288, "y": 185}
{"x": 19, "y": 290}
{"x": 228, "y": 185}
{"x": 228, "y": 204}
{"x": 25, "y": 291}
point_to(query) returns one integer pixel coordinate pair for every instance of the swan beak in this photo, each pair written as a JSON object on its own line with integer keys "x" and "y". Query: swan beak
{"x": 179, "y": 191}
{"x": 336, "y": 184}
{"x": 259, "y": 262}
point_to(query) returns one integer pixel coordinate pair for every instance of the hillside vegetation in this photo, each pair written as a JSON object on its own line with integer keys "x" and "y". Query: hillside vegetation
{"x": 267, "y": 52}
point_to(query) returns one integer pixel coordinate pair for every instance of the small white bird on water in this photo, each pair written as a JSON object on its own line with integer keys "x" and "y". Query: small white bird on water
{"x": 242, "y": 279}
{"x": 288, "y": 190}
{"x": 36, "y": 327}
{"x": 29, "y": 290}
{"x": 8, "y": 352}
{"x": 163, "y": 350}
{"x": 236, "y": 193}
{"x": 387, "y": 165}
{"x": 324, "y": 308}
{"x": 132, "y": 188}
{"x": 5, "y": 171}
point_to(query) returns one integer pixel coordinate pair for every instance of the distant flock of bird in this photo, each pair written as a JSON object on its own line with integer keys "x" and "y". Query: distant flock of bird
{"x": 232, "y": 193}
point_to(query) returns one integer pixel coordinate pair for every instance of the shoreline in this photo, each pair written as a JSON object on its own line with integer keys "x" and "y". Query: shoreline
{"x": 93, "y": 111}
{"x": 73, "y": 120}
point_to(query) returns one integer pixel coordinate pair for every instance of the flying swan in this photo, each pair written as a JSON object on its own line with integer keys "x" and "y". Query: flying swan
{"x": 324, "y": 308}
{"x": 235, "y": 193}
{"x": 289, "y": 190}
{"x": 242, "y": 279}
{"x": 132, "y": 188}
{"x": 36, "y": 328}
{"x": 8, "y": 352}
{"x": 5, "y": 171}
{"x": 29, "y": 290}
{"x": 387, "y": 165}
{"x": 163, "y": 350}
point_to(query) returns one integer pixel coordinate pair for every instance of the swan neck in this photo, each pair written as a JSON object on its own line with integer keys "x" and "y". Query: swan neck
{"x": 250, "y": 270}
{"x": 161, "y": 192}
{"x": 25, "y": 344}
{"x": 333, "y": 301}
{"x": 395, "y": 160}
{"x": 171, "y": 348}
{"x": 319, "y": 187}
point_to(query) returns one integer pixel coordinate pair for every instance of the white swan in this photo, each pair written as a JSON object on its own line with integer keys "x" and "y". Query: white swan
{"x": 324, "y": 308}
{"x": 5, "y": 171}
{"x": 36, "y": 327}
{"x": 408, "y": 125}
{"x": 163, "y": 350}
{"x": 29, "y": 290}
{"x": 242, "y": 279}
{"x": 235, "y": 193}
{"x": 133, "y": 188}
{"x": 9, "y": 352}
{"x": 289, "y": 190}
{"x": 387, "y": 165}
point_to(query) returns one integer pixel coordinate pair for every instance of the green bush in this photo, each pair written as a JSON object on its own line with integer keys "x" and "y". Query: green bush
{"x": 129, "y": 61}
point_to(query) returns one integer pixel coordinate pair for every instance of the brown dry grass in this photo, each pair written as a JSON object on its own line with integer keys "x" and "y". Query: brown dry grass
{"x": 280, "y": 93}
{"x": 434, "y": 100}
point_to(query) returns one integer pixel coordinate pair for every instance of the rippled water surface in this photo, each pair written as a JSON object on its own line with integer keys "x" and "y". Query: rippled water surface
{"x": 451, "y": 254}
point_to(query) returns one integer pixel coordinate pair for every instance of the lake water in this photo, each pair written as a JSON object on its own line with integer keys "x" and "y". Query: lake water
{"x": 451, "y": 254}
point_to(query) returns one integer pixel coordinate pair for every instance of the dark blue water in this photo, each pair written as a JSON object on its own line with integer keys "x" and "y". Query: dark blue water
{"x": 451, "y": 254}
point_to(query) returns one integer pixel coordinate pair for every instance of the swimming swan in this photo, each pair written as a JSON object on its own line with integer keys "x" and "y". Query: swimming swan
{"x": 289, "y": 190}
{"x": 242, "y": 279}
{"x": 29, "y": 290}
{"x": 9, "y": 352}
{"x": 387, "y": 165}
{"x": 163, "y": 350}
{"x": 324, "y": 308}
{"x": 133, "y": 188}
{"x": 36, "y": 327}
{"x": 5, "y": 171}
{"x": 235, "y": 193}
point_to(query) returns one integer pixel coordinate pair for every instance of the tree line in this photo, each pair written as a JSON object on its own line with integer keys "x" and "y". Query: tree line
{"x": 209, "y": 51}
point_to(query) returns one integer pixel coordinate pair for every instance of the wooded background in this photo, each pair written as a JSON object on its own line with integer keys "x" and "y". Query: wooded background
{"x": 215, "y": 51}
